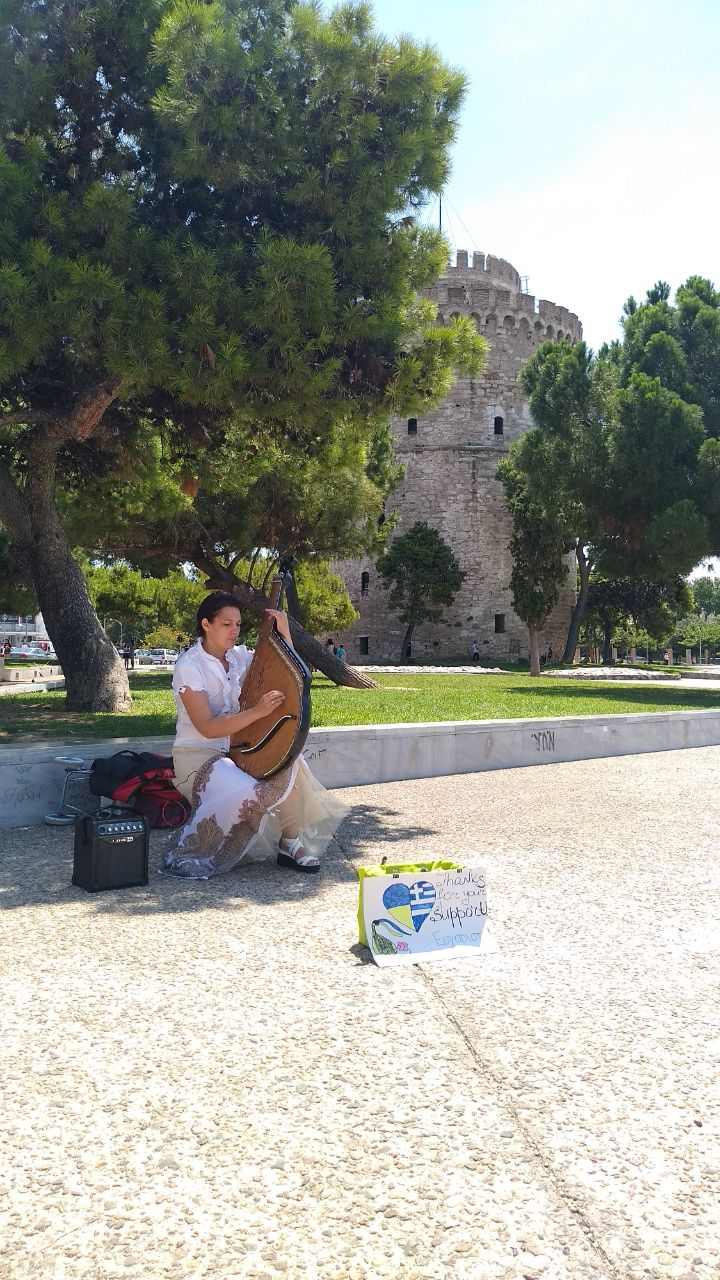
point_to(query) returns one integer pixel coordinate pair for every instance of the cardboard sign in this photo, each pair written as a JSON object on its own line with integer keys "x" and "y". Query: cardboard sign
{"x": 426, "y": 915}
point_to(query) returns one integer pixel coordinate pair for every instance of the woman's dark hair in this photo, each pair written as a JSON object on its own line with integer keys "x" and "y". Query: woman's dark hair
{"x": 212, "y": 605}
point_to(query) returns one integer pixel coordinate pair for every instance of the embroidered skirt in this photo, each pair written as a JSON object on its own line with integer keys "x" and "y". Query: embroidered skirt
{"x": 233, "y": 813}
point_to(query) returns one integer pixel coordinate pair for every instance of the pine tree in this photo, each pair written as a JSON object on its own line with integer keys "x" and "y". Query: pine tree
{"x": 207, "y": 235}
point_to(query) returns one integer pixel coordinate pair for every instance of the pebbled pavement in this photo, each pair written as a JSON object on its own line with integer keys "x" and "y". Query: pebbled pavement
{"x": 210, "y": 1080}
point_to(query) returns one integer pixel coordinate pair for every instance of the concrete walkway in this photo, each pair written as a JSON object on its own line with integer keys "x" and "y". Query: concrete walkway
{"x": 212, "y": 1081}
{"x": 31, "y": 686}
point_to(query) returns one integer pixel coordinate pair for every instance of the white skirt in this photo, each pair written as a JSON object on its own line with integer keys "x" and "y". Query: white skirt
{"x": 234, "y": 813}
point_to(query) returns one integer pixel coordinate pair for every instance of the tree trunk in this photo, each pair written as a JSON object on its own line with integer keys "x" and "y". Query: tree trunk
{"x": 312, "y": 651}
{"x": 577, "y": 613}
{"x": 607, "y": 636}
{"x": 406, "y": 643}
{"x": 534, "y": 652}
{"x": 95, "y": 679}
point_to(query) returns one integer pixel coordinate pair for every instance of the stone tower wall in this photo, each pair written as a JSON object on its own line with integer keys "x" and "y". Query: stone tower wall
{"x": 450, "y": 461}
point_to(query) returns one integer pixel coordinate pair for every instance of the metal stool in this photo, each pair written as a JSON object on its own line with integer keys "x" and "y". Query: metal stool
{"x": 66, "y": 813}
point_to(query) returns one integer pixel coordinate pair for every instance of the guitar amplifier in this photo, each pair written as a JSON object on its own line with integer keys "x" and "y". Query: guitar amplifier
{"x": 111, "y": 850}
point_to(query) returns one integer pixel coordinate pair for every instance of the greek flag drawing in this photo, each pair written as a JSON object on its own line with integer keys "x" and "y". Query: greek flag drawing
{"x": 409, "y": 905}
{"x": 422, "y": 901}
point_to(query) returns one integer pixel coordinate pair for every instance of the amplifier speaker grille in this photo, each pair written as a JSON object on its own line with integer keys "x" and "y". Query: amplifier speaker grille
{"x": 111, "y": 850}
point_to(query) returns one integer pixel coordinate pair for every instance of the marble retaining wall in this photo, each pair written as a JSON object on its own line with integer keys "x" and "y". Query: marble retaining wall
{"x": 31, "y": 780}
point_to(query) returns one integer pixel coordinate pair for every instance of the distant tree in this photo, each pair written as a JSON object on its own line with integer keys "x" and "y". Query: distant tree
{"x": 422, "y": 577}
{"x": 147, "y": 605}
{"x": 537, "y": 546}
{"x": 324, "y": 601}
{"x": 690, "y": 632}
{"x": 164, "y": 637}
{"x": 620, "y": 462}
{"x": 706, "y": 595}
{"x": 141, "y": 601}
{"x": 653, "y": 607}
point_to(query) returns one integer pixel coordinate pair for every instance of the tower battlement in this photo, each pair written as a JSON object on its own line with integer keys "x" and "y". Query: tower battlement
{"x": 495, "y": 268}
{"x": 492, "y": 286}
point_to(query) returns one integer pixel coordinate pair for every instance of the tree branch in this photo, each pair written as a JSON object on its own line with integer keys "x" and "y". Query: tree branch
{"x": 90, "y": 407}
{"x": 251, "y": 570}
{"x": 26, "y": 418}
{"x": 269, "y": 574}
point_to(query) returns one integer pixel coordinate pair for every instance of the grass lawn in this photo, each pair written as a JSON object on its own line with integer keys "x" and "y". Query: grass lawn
{"x": 405, "y": 697}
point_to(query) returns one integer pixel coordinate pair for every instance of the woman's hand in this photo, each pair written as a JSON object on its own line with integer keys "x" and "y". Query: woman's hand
{"x": 269, "y": 702}
{"x": 281, "y": 622}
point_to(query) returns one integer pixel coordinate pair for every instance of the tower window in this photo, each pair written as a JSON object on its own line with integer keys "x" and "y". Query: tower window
{"x": 499, "y": 424}
{"x": 364, "y": 583}
{"x": 499, "y": 624}
{"x": 412, "y": 426}
{"x": 363, "y": 644}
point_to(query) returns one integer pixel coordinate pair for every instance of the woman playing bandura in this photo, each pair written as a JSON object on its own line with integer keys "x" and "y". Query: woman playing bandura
{"x": 233, "y": 812}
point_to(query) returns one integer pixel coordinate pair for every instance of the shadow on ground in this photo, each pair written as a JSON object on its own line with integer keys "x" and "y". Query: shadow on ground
{"x": 36, "y": 870}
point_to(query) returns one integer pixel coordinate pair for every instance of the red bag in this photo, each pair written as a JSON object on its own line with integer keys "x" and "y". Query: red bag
{"x": 161, "y": 803}
{"x": 143, "y": 781}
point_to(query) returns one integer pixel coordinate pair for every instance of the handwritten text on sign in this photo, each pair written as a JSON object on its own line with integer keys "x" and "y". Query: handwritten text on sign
{"x": 425, "y": 915}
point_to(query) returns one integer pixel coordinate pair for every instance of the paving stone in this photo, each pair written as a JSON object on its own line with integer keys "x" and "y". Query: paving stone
{"x": 532, "y": 1113}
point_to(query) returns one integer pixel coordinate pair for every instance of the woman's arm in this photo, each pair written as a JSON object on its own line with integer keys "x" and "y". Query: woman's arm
{"x": 197, "y": 706}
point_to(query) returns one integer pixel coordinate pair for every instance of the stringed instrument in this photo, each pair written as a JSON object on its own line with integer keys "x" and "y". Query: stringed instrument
{"x": 268, "y": 745}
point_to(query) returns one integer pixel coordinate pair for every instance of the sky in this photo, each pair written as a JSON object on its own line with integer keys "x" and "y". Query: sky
{"x": 588, "y": 152}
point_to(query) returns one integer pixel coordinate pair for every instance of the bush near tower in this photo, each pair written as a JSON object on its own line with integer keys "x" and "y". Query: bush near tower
{"x": 208, "y": 250}
{"x": 421, "y": 575}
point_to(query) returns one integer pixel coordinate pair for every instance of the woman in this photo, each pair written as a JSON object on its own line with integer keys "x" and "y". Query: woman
{"x": 233, "y": 812}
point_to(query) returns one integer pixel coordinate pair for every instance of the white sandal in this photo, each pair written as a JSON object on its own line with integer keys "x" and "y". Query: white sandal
{"x": 286, "y": 856}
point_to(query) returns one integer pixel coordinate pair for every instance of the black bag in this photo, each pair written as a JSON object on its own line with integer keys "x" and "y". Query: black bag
{"x": 143, "y": 781}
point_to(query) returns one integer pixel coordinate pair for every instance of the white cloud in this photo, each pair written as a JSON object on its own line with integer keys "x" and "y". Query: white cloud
{"x": 638, "y": 207}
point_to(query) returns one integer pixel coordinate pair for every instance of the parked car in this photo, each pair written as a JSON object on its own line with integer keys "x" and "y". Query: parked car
{"x": 163, "y": 657}
{"x": 142, "y": 657}
{"x": 32, "y": 653}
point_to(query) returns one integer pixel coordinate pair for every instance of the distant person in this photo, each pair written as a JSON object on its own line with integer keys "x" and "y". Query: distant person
{"x": 475, "y": 651}
{"x": 549, "y": 654}
{"x": 7, "y": 647}
{"x": 131, "y": 653}
{"x": 126, "y": 656}
{"x": 340, "y": 652}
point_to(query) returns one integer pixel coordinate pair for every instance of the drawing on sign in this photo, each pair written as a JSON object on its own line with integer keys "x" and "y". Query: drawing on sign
{"x": 410, "y": 905}
{"x": 442, "y": 914}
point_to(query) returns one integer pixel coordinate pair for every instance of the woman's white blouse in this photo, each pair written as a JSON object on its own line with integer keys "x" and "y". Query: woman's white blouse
{"x": 198, "y": 671}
